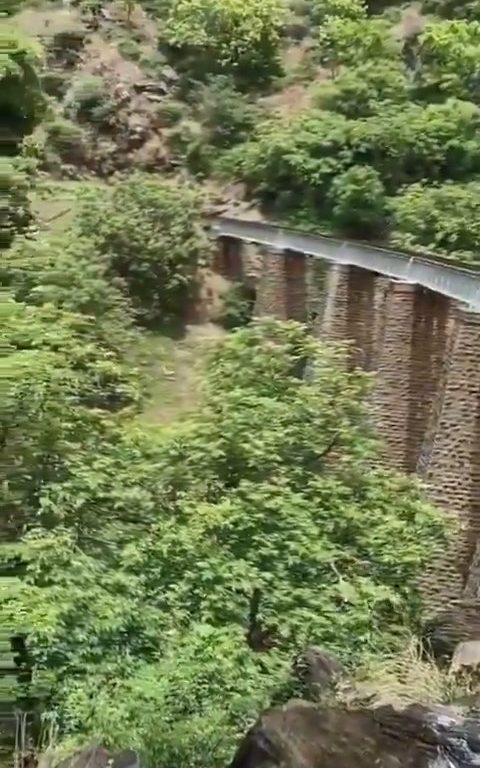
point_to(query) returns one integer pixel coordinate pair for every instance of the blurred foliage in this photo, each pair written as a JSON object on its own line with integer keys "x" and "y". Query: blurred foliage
{"x": 236, "y": 37}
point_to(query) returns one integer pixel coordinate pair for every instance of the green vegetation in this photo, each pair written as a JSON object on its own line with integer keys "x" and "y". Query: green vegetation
{"x": 173, "y": 553}
{"x": 239, "y": 37}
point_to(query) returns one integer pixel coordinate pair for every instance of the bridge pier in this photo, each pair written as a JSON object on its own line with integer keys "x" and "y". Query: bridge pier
{"x": 453, "y": 469}
{"x": 282, "y": 289}
{"x": 271, "y": 287}
{"x": 391, "y": 395}
{"x": 228, "y": 261}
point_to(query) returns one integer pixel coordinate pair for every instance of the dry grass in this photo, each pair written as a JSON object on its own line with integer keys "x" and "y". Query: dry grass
{"x": 46, "y": 22}
{"x": 411, "y": 676}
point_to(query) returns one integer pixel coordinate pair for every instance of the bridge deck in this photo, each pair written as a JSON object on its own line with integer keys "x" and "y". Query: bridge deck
{"x": 460, "y": 283}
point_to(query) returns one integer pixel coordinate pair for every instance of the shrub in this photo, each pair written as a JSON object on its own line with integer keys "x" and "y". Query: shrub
{"x": 363, "y": 91}
{"x": 65, "y": 139}
{"x": 148, "y": 233}
{"x": 86, "y": 94}
{"x": 226, "y": 115}
{"x": 441, "y": 219}
{"x": 55, "y": 83}
{"x": 170, "y": 111}
{"x": 358, "y": 202}
{"x": 237, "y": 37}
{"x": 237, "y": 307}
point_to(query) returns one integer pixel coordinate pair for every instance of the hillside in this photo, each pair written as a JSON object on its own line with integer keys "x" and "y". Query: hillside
{"x": 333, "y": 115}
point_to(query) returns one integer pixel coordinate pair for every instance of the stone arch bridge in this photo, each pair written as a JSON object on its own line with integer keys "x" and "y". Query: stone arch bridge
{"x": 413, "y": 320}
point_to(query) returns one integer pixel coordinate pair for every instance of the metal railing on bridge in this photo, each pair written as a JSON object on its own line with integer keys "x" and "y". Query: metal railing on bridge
{"x": 460, "y": 282}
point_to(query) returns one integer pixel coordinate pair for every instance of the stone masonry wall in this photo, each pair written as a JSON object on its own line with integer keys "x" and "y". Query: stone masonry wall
{"x": 453, "y": 472}
{"x": 271, "y": 286}
{"x": 391, "y": 396}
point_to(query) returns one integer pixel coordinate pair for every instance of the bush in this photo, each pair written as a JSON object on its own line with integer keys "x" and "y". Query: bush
{"x": 441, "y": 219}
{"x": 358, "y": 200}
{"x": 85, "y": 95}
{"x": 65, "y": 139}
{"x": 363, "y": 91}
{"x": 227, "y": 116}
{"x": 237, "y": 307}
{"x": 55, "y": 83}
{"x": 170, "y": 111}
{"x": 236, "y": 37}
{"x": 149, "y": 234}
{"x": 190, "y": 708}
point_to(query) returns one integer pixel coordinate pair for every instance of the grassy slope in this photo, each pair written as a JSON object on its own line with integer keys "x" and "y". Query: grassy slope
{"x": 173, "y": 366}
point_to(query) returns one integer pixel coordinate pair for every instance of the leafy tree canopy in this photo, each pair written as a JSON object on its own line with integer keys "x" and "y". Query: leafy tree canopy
{"x": 21, "y": 101}
{"x": 238, "y": 37}
{"x": 295, "y": 162}
{"x": 439, "y": 219}
{"x": 292, "y": 509}
{"x": 148, "y": 234}
{"x": 448, "y": 61}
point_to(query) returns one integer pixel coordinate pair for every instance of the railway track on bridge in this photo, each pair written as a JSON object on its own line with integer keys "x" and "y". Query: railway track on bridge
{"x": 460, "y": 282}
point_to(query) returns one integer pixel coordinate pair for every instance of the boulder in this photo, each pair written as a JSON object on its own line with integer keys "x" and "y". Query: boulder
{"x": 459, "y": 623}
{"x": 303, "y": 735}
{"x": 318, "y": 671}
{"x": 466, "y": 657}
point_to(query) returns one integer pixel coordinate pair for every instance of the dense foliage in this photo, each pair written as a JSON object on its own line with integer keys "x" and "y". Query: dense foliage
{"x": 149, "y": 235}
{"x": 21, "y": 101}
{"x": 222, "y": 36}
{"x": 112, "y": 515}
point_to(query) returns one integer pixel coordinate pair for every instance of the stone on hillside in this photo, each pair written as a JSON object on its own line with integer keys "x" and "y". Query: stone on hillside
{"x": 466, "y": 656}
{"x": 458, "y": 624}
{"x": 302, "y": 735}
{"x": 318, "y": 670}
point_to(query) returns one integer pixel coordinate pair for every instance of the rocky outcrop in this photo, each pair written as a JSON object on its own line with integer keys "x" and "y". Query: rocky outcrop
{"x": 459, "y": 623}
{"x": 303, "y": 735}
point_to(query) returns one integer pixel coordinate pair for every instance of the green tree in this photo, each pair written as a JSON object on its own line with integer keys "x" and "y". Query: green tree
{"x": 285, "y": 508}
{"x": 442, "y": 219}
{"x": 365, "y": 89}
{"x": 148, "y": 233}
{"x": 350, "y": 41}
{"x": 21, "y": 101}
{"x": 305, "y": 154}
{"x": 152, "y": 547}
{"x": 454, "y": 9}
{"x": 65, "y": 272}
{"x": 321, "y": 11}
{"x": 448, "y": 61}
{"x": 359, "y": 205}
{"x": 234, "y": 37}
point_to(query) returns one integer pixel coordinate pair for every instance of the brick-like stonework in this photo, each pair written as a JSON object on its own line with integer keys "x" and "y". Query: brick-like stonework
{"x": 391, "y": 396}
{"x": 271, "y": 299}
{"x": 333, "y": 325}
{"x": 361, "y": 316}
{"x": 453, "y": 472}
{"x": 227, "y": 259}
{"x": 296, "y": 286}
